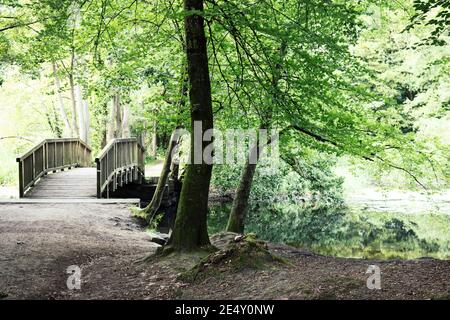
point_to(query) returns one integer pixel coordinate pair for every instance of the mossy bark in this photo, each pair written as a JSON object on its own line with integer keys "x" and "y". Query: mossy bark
{"x": 242, "y": 195}
{"x": 240, "y": 203}
{"x": 190, "y": 231}
{"x": 152, "y": 208}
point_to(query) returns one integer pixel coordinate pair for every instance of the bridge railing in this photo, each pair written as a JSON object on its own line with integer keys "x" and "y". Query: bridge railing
{"x": 51, "y": 155}
{"x": 120, "y": 162}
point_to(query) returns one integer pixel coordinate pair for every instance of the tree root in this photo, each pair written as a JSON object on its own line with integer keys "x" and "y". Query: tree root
{"x": 245, "y": 252}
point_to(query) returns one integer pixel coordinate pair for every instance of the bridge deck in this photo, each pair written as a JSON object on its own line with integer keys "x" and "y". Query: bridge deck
{"x": 77, "y": 183}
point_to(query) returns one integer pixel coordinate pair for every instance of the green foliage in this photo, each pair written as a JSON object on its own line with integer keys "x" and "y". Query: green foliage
{"x": 155, "y": 221}
{"x": 283, "y": 203}
{"x": 338, "y": 77}
{"x": 435, "y": 13}
{"x": 412, "y": 85}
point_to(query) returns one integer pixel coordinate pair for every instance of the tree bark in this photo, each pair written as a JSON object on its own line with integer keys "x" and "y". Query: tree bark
{"x": 110, "y": 126}
{"x": 190, "y": 231}
{"x": 83, "y": 116}
{"x": 126, "y": 122}
{"x": 87, "y": 119}
{"x": 154, "y": 205}
{"x": 118, "y": 116}
{"x": 154, "y": 145}
{"x": 236, "y": 220}
{"x": 62, "y": 109}
{"x": 114, "y": 128}
{"x": 242, "y": 195}
{"x": 75, "y": 127}
{"x": 73, "y": 95}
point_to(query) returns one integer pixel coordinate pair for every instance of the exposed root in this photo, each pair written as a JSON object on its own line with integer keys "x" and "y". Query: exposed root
{"x": 168, "y": 250}
{"x": 139, "y": 213}
{"x": 244, "y": 252}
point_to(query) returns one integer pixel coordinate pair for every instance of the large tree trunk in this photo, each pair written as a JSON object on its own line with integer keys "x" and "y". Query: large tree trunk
{"x": 62, "y": 110}
{"x": 190, "y": 231}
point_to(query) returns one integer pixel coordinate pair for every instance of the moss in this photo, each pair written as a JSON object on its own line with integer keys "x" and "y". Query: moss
{"x": 138, "y": 213}
{"x": 3, "y": 295}
{"x": 247, "y": 253}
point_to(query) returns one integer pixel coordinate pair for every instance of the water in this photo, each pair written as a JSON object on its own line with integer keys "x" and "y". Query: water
{"x": 403, "y": 225}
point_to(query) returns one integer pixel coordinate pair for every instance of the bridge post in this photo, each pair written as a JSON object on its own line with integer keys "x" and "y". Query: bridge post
{"x": 107, "y": 175}
{"x": 21, "y": 182}
{"x": 63, "y": 163}
{"x": 99, "y": 171}
{"x": 115, "y": 166}
{"x": 55, "y": 164}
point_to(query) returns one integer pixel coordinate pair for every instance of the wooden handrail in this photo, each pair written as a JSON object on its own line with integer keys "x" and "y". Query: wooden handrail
{"x": 52, "y": 141}
{"x": 51, "y": 155}
{"x": 120, "y": 162}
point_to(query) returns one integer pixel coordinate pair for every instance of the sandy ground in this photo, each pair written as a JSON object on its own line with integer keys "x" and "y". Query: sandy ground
{"x": 38, "y": 242}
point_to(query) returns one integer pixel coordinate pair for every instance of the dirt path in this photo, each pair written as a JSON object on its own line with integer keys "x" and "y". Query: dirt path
{"x": 38, "y": 242}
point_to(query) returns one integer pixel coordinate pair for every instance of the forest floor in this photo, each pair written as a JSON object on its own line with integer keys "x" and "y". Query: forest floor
{"x": 38, "y": 242}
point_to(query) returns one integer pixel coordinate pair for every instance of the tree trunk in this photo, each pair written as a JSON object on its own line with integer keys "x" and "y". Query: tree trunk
{"x": 126, "y": 122}
{"x": 143, "y": 134}
{"x": 87, "y": 120}
{"x": 114, "y": 128}
{"x": 190, "y": 231}
{"x": 75, "y": 127}
{"x": 82, "y": 110}
{"x": 118, "y": 115}
{"x": 104, "y": 138}
{"x": 62, "y": 110}
{"x": 154, "y": 205}
{"x": 154, "y": 145}
{"x": 242, "y": 195}
{"x": 110, "y": 126}
{"x": 236, "y": 220}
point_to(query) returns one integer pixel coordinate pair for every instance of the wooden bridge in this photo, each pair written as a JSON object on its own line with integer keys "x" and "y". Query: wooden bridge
{"x": 63, "y": 168}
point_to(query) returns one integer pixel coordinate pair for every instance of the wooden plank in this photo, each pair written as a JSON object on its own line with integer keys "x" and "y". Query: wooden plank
{"x": 76, "y": 183}
{"x": 69, "y": 200}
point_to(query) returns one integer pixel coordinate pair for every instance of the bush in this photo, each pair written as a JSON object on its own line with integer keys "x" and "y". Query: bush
{"x": 284, "y": 205}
